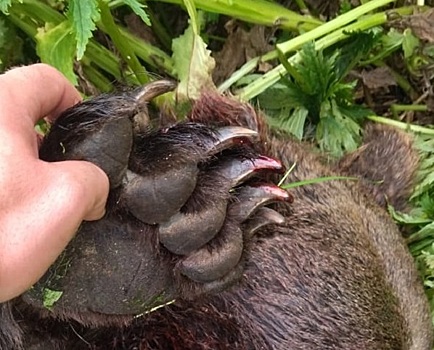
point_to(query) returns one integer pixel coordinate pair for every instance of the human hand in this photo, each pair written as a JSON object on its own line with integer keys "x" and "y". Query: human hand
{"x": 41, "y": 204}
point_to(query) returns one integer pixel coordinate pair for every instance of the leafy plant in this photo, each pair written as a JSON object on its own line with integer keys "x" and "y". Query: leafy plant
{"x": 420, "y": 221}
{"x": 317, "y": 91}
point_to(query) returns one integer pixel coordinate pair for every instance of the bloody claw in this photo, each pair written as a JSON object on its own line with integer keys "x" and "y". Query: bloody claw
{"x": 184, "y": 233}
{"x": 239, "y": 170}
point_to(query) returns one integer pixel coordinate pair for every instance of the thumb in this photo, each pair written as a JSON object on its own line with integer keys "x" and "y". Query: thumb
{"x": 86, "y": 186}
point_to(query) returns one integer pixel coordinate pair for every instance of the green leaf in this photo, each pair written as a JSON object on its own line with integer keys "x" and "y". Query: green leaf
{"x": 193, "y": 65}
{"x": 295, "y": 124}
{"x": 425, "y": 232}
{"x": 138, "y": 9}
{"x": 56, "y": 46}
{"x": 50, "y": 297}
{"x": 392, "y": 40}
{"x": 83, "y": 14}
{"x": 409, "y": 219}
{"x": 276, "y": 97}
{"x": 290, "y": 120}
{"x": 357, "y": 46}
{"x": 409, "y": 44}
{"x": 4, "y": 6}
{"x": 336, "y": 132}
{"x": 425, "y": 184}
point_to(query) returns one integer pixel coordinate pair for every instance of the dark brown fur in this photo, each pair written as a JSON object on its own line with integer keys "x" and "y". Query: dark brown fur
{"x": 336, "y": 275}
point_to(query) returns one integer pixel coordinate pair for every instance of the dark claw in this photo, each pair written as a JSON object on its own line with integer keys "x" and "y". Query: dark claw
{"x": 228, "y": 136}
{"x": 146, "y": 94}
{"x": 263, "y": 216}
{"x": 154, "y": 89}
{"x": 101, "y": 130}
{"x": 184, "y": 233}
{"x": 251, "y": 198}
{"x": 207, "y": 265}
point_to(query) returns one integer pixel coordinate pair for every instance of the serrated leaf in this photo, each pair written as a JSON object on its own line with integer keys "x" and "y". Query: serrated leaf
{"x": 336, "y": 132}
{"x": 316, "y": 70}
{"x": 404, "y": 218}
{"x": 50, "y": 297}
{"x": 83, "y": 14}
{"x": 4, "y": 6}
{"x": 138, "y": 9}
{"x": 193, "y": 65}
{"x": 392, "y": 40}
{"x": 56, "y": 46}
{"x": 424, "y": 184}
{"x": 357, "y": 46}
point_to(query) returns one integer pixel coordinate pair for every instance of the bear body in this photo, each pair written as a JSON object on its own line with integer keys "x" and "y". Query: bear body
{"x": 336, "y": 274}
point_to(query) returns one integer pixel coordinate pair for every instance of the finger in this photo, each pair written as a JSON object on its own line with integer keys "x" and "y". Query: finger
{"x": 33, "y": 92}
{"x": 87, "y": 185}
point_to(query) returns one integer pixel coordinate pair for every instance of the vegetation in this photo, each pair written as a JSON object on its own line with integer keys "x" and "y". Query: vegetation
{"x": 318, "y": 69}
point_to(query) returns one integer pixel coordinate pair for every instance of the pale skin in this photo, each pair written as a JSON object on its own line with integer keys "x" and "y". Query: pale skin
{"x": 41, "y": 204}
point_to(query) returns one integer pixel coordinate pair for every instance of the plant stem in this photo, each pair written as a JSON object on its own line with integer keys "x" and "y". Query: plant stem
{"x": 127, "y": 53}
{"x": 245, "y": 69}
{"x": 258, "y": 86}
{"x": 103, "y": 58}
{"x": 159, "y": 30}
{"x": 338, "y": 22}
{"x": 401, "y": 125}
{"x": 317, "y": 180}
{"x": 259, "y": 11}
{"x": 38, "y": 9}
{"x": 396, "y": 108}
{"x": 301, "y": 5}
{"x": 150, "y": 54}
{"x": 97, "y": 79}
